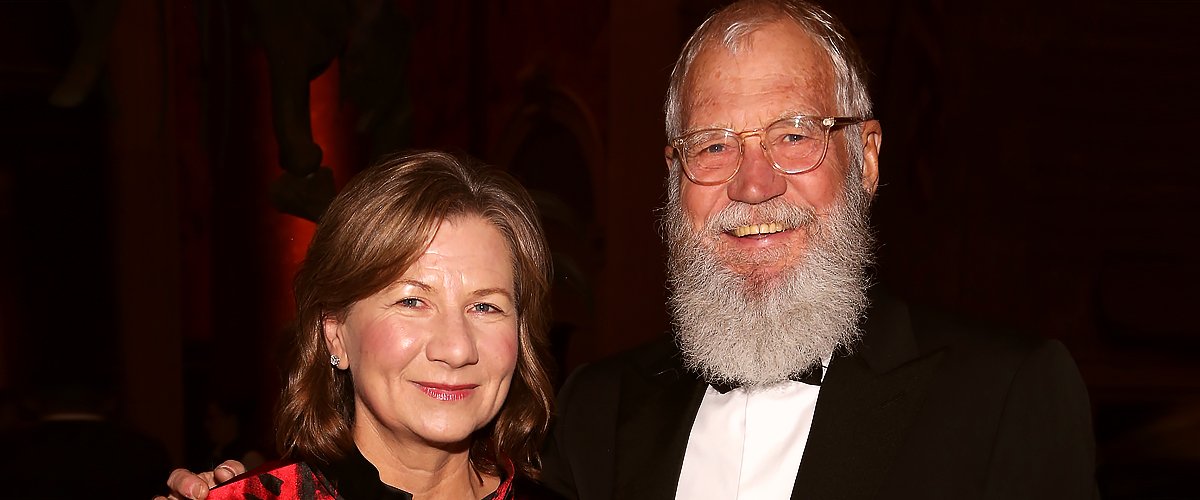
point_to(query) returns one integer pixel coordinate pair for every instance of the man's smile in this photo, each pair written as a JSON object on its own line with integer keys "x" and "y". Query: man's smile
{"x": 757, "y": 229}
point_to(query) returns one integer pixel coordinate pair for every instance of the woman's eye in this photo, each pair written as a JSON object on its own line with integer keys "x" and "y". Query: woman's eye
{"x": 484, "y": 307}
{"x": 410, "y": 302}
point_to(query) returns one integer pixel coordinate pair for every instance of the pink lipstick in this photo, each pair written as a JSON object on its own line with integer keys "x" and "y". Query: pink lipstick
{"x": 446, "y": 392}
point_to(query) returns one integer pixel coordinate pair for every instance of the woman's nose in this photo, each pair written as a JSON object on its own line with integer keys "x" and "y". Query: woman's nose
{"x": 453, "y": 343}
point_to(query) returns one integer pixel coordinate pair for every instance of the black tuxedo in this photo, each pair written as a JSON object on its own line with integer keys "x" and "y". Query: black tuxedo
{"x": 925, "y": 408}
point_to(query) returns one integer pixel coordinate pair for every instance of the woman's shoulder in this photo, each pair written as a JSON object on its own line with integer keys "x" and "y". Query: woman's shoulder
{"x": 277, "y": 480}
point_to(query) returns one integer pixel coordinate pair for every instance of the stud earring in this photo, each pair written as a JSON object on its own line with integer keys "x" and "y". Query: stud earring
{"x": 334, "y": 360}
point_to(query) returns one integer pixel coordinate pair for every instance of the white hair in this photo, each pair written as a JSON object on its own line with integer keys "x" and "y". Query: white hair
{"x": 732, "y": 27}
{"x": 738, "y": 329}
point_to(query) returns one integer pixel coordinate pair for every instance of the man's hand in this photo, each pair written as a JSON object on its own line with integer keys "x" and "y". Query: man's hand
{"x": 184, "y": 484}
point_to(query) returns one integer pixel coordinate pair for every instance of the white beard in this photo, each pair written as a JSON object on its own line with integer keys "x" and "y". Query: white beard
{"x": 750, "y": 331}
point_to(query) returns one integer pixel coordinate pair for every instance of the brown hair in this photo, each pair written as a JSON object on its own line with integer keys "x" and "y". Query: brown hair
{"x": 373, "y": 231}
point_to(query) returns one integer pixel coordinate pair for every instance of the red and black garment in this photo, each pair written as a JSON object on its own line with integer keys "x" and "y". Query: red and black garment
{"x": 352, "y": 478}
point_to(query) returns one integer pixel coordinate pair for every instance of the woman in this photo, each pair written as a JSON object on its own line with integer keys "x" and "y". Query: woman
{"x": 417, "y": 366}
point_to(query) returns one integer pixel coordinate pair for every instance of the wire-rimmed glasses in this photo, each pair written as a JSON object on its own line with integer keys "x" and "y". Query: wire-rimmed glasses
{"x": 793, "y": 146}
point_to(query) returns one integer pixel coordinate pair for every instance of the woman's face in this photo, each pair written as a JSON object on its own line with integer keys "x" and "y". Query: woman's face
{"x": 433, "y": 354}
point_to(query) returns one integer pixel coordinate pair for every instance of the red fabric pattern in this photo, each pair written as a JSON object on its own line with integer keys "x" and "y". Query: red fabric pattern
{"x": 292, "y": 481}
{"x": 300, "y": 482}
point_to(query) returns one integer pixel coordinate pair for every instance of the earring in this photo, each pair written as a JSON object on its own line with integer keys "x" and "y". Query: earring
{"x": 334, "y": 360}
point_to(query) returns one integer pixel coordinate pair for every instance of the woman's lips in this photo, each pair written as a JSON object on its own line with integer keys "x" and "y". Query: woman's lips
{"x": 446, "y": 392}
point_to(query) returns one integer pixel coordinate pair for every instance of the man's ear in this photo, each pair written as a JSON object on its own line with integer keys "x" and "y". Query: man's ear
{"x": 335, "y": 340}
{"x": 669, "y": 156}
{"x": 872, "y": 138}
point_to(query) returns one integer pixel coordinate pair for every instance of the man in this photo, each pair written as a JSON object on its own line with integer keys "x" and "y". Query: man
{"x": 766, "y": 227}
{"x": 779, "y": 380}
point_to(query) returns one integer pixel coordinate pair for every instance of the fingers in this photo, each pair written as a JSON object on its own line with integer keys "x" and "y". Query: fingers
{"x": 184, "y": 484}
{"x": 228, "y": 470}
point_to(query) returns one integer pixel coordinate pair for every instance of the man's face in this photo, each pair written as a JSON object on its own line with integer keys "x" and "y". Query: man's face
{"x": 782, "y": 72}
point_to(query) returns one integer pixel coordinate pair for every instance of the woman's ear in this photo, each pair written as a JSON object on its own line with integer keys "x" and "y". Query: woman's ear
{"x": 335, "y": 341}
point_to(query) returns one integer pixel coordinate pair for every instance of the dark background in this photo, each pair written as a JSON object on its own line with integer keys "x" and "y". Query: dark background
{"x": 1037, "y": 171}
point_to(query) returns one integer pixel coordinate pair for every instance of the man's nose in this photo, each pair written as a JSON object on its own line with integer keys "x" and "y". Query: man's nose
{"x": 452, "y": 342}
{"x": 756, "y": 180}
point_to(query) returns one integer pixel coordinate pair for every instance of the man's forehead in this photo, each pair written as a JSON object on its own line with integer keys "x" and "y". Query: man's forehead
{"x": 780, "y": 71}
{"x": 785, "y": 38}
{"x": 718, "y": 102}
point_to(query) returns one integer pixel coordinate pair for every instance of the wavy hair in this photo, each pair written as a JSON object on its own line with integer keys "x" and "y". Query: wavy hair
{"x": 373, "y": 231}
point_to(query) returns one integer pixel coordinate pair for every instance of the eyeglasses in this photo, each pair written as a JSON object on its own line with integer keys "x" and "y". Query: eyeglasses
{"x": 793, "y": 146}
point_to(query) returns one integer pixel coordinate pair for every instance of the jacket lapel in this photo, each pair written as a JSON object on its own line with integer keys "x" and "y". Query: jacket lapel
{"x": 655, "y": 419}
{"x": 867, "y": 402}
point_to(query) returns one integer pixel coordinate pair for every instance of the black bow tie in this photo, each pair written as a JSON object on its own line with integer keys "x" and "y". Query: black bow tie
{"x": 810, "y": 376}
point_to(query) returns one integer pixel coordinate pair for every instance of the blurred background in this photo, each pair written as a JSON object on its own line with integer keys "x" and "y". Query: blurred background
{"x": 159, "y": 161}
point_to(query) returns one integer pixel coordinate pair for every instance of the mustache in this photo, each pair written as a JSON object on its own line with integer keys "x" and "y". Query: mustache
{"x": 738, "y": 214}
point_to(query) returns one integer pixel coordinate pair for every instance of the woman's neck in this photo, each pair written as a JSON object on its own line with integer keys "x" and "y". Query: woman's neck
{"x": 424, "y": 470}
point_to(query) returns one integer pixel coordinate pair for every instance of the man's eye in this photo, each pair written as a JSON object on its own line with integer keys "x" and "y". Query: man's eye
{"x": 792, "y": 138}
{"x": 711, "y": 149}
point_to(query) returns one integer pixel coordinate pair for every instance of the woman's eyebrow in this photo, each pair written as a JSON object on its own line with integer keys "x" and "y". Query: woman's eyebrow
{"x": 411, "y": 282}
{"x": 493, "y": 291}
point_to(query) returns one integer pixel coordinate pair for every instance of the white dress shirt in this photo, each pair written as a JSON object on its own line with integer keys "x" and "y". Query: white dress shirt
{"x": 747, "y": 444}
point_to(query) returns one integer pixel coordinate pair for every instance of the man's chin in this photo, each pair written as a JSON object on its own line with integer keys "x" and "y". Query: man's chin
{"x": 759, "y": 275}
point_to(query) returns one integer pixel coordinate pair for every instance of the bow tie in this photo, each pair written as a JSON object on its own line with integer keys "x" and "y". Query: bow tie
{"x": 810, "y": 376}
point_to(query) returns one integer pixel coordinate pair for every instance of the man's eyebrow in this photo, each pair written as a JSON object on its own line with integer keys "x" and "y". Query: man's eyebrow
{"x": 792, "y": 113}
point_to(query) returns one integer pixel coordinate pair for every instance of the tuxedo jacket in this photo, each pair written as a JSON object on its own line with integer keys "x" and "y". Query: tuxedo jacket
{"x": 925, "y": 407}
